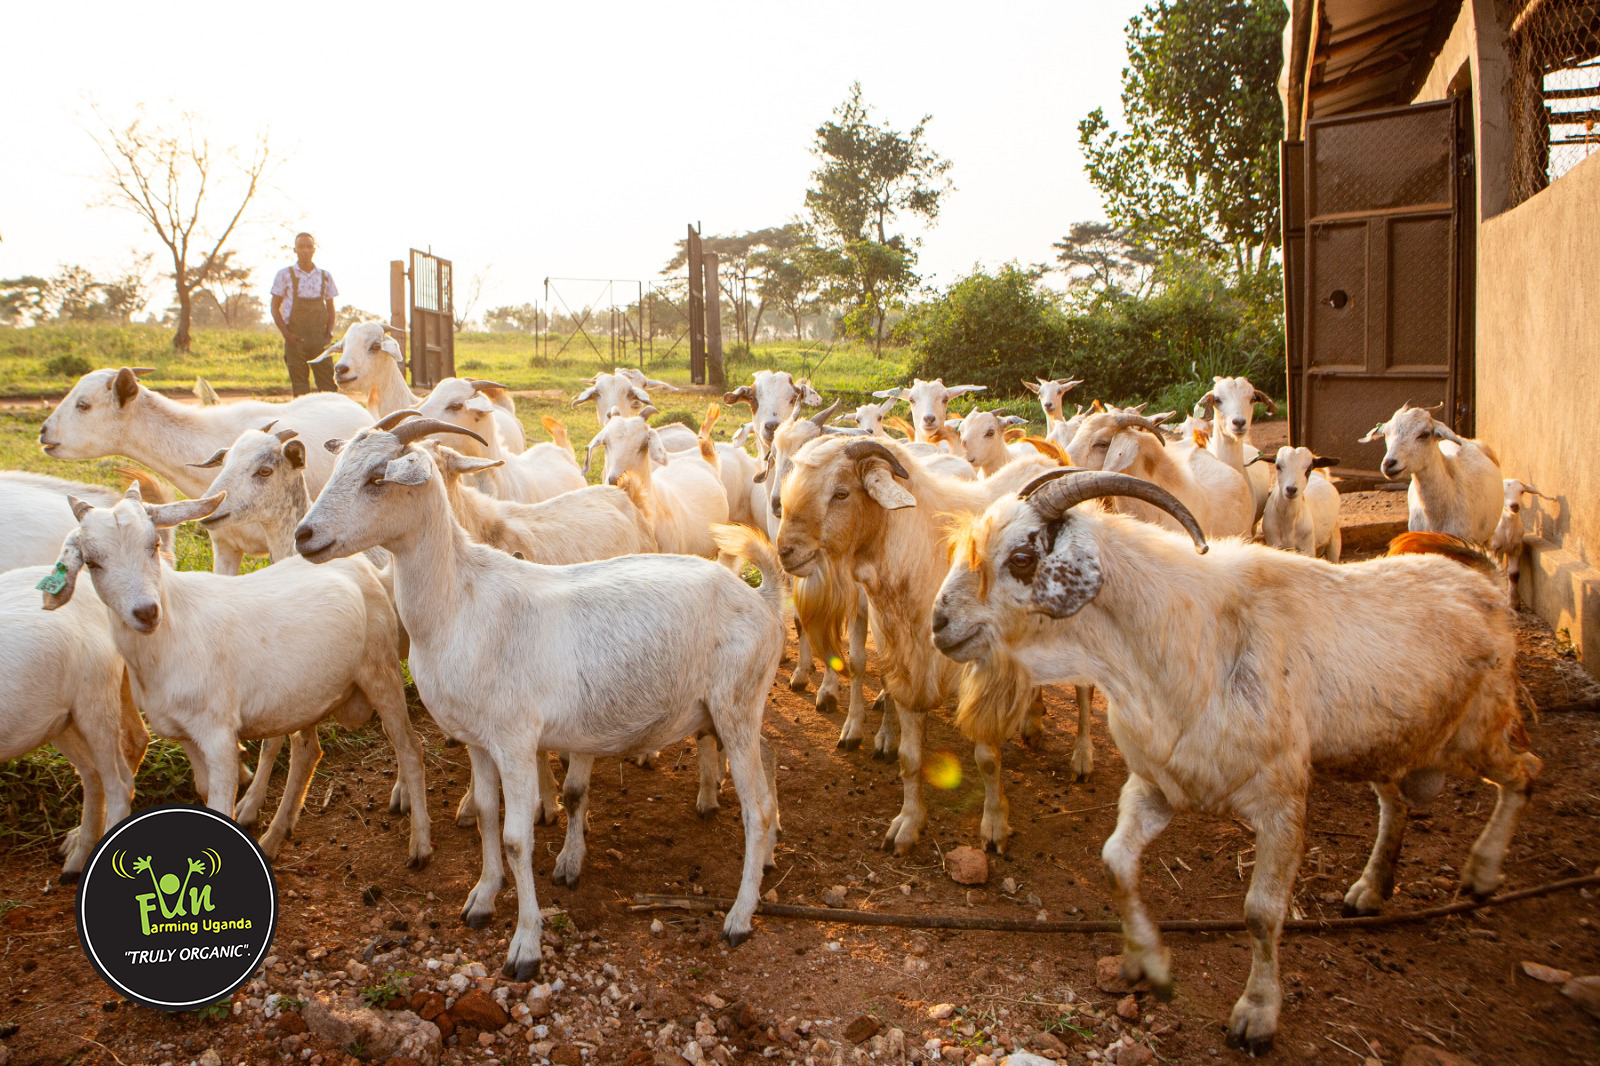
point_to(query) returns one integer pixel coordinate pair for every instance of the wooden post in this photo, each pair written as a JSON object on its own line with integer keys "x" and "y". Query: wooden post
{"x": 719, "y": 377}
{"x": 397, "y": 303}
{"x": 697, "y": 312}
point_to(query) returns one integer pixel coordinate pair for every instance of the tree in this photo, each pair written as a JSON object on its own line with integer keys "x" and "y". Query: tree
{"x": 1196, "y": 170}
{"x": 183, "y": 191}
{"x": 790, "y": 279}
{"x": 870, "y": 175}
{"x": 224, "y": 298}
{"x": 76, "y": 295}
{"x": 23, "y": 300}
{"x": 1099, "y": 257}
{"x": 741, "y": 269}
{"x": 473, "y": 293}
{"x": 513, "y": 318}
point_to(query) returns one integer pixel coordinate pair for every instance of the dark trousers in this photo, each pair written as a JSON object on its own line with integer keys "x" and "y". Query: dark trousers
{"x": 295, "y": 357}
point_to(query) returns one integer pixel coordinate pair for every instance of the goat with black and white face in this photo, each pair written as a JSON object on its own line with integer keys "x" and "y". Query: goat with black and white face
{"x": 1231, "y": 678}
{"x": 611, "y": 659}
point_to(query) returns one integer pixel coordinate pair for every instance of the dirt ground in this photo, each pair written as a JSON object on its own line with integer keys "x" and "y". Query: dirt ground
{"x": 354, "y": 917}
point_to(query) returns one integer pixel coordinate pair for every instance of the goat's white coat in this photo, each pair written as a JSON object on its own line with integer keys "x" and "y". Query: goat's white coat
{"x": 624, "y": 389}
{"x": 1456, "y": 486}
{"x": 108, "y": 413}
{"x": 1302, "y": 513}
{"x": 687, "y": 496}
{"x": 611, "y": 660}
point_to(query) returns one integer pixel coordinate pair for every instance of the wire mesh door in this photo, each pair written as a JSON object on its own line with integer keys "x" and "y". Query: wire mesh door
{"x": 433, "y": 327}
{"x": 1384, "y": 284}
{"x": 1554, "y": 90}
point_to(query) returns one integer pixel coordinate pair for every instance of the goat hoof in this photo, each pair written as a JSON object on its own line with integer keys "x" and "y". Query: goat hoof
{"x": 545, "y": 817}
{"x": 879, "y": 755}
{"x": 849, "y": 745}
{"x": 827, "y": 703}
{"x": 1255, "y": 1046}
{"x": 705, "y": 813}
{"x": 451, "y": 742}
{"x": 419, "y": 862}
{"x": 71, "y": 877}
{"x": 520, "y": 971}
{"x": 797, "y": 684}
{"x": 467, "y": 820}
{"x": 1162, "y": 991}
{"x": 475, "y": 921}
{"x": 735, "y": 939}
{"x": 567, "y": 881}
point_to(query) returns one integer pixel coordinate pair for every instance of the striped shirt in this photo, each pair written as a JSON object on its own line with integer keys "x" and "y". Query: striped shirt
{"x": 306, "y": 286}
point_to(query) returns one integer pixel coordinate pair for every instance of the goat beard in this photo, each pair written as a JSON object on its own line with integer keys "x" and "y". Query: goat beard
{"x": 996, "y": 692}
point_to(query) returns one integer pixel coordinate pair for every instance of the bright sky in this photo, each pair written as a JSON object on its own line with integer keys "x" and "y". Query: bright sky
{"x": 533, "y": 140}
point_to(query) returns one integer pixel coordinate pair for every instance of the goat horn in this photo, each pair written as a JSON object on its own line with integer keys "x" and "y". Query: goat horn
{"x": 478, "y": 384}
{"x": 821, "y": 417}
{"x": 1133, "y": 421}
{"x": 284, "y": 434}
{"x": 394, "y": 418}
{"x": 1052, "y": 497}
{"x": 268, "y": 427}
{"x": 422, "y": 427}
{"x": 1266, "y": 401}
{"x": 874, "y": 449}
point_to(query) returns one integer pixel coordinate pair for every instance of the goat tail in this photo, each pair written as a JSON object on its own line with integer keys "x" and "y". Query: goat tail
{"x": 713, "y": 412}
{"x": 897, "y": 423}
{"x": 151, "y": 488}
{"x": 1448, "y": 545}
{"x": 1049, "y": 448}
{"x": 996, "y": 692}
{"x": 751, "y": 545}
{"x": 558, "y": 433}
{"x": 205, "y": 393}
{"x": 824, "y": 604}
{"x": 639, "y": 495}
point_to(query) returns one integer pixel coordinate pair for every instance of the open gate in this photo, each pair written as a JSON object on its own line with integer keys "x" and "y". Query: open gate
{"x": 432, "y": 329}
{"x": 1378, "y": 274}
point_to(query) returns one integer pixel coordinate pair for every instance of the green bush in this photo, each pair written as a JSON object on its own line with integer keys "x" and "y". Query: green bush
{"x": 995, "y": 329}
{"x": 68, "y": 365}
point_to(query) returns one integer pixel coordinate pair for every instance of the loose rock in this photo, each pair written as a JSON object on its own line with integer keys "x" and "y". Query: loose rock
{"x": 835, "y": 896}
{"x": 1585, "y": 992}
{"x": 966, "y": 865}
{"x": 1548, "y": 974}
{"x": 1108, "y": 974}
{"x": 861, "y": 1029}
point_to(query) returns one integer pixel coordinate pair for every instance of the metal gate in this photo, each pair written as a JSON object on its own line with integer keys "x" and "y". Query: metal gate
{"x": 433, "y": 327}
{"x": 1375, "y": 266}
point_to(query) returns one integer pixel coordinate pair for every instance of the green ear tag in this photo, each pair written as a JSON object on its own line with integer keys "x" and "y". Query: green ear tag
{"x": 54, "y": 581}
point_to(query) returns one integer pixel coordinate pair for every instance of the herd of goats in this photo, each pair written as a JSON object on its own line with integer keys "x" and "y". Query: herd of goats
{"x": 541, "y": 614}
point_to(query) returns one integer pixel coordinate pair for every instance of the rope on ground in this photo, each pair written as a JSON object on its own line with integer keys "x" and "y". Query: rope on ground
{"x": 1020, "y": 925}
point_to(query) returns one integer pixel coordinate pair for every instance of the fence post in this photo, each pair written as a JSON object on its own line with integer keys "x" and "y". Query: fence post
{"x": 697, "y": 313}
{"x": 718, "y": 374}
{"x": 397, "y": 303}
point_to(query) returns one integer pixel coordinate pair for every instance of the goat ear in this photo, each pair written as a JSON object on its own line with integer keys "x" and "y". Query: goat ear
{"x": 652, "y": 383}
{"x": 468, "y": 464}
{"x": 80, "y": 507}
{"x": 1013, "y": 420}
{"x": 1374, "y": 433}
{"x": 480, "y": 403}
{"x": 165, "y": 515}
{"x": 1266, "y": 401}
{"x": 59, "y": 583}
{"x": 809, "y": 396}
{"x": 639, "y": 394}
{"x": 295, "y": 452}
{"x": 334, "y": 445}
{"x": 215, "y": 460}
{"x": 1262, "y": 457}
{"x": 1324, "y": 460}
{"x": 1444, "y": 432}
{"x": 410, "y": 468}
{"x": 959, "y": 390}
{"x": 1208, "y": 402}
{"x": 742, "y": 394}
{"x": 658, "y": 451}
{"x": 588, "y": 453}
{"x": 878, "y": 480}
{"x": 585, "y": 396}
{"x": 391, "y": 346}
{"x": 1032, "y": 387}
{"x": 126, "y": 386}
{"x": 1069, "y": 576}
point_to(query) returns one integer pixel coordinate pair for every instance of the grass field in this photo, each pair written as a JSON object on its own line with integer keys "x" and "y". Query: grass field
{"x": 46, "y": 360}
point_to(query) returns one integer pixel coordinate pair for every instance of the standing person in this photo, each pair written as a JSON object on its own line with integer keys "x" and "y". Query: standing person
{"x": 302, "y": 307}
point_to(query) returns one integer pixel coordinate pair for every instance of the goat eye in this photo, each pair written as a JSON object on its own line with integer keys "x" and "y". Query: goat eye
{"x": 375, "y": 480}
{"x": 91, "y": 564}
{"x": 83, "y": 405}
{"x": 265, "y": 471}
{"x": 453, "y": 407}
{"x": 1021, "y": 564}
{"x": 1424, "y": 436}
{"x": 1101, "y": 445}
{"x": 989, "y": 434}
{"x": 377, "y": 346}
{"x": 841, "y": 493}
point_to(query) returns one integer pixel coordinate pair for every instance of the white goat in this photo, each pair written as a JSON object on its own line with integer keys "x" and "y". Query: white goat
{"x": 164, "y": 622}
{"x": 1302, "y": 512}
{"x": 38, "y": 518}
{"x": 773, "y": 395}
{"x": 66, "y": 685}
{"x": 1506, "y": 543}
{"x": 685, "y": 498}
{"x": 624, "y": 389}
{"x": 1231, "y": 406}
{"x": 983, "y": 439}
{"x": 930, "y": 404}
{"x": 1131, "y": 443}
{"x": 870, "y": 509}
{"x": 1050, "y": 392}
{"x": 1234, "y": 676}
{"x": 611, "y": 660}
{"x": 540, "y": 472}
{"x": 371, "y": 363}
{"x": 109, "y": 413}
{"x": 870, "y": 416}
{"x": 1456, "y": 486}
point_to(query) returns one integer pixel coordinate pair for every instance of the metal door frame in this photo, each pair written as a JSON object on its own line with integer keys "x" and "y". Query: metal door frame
{"x": 433, "y": 325}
